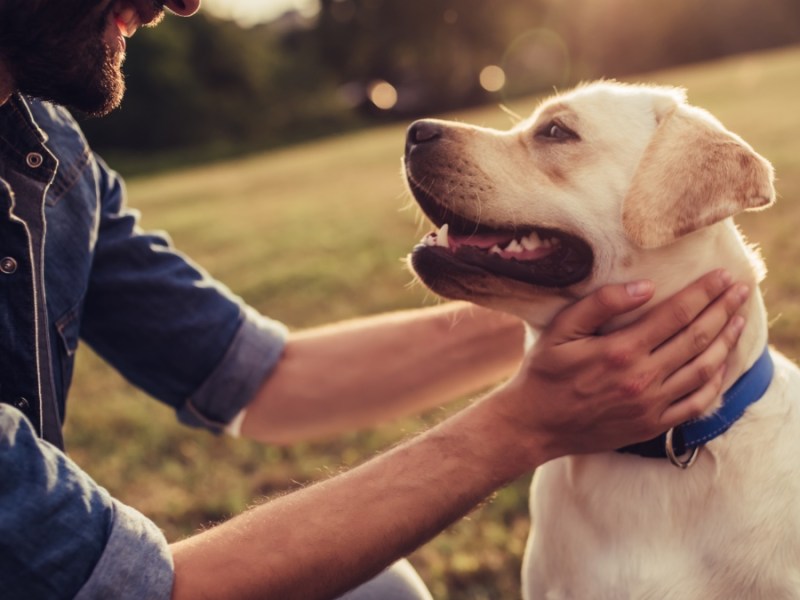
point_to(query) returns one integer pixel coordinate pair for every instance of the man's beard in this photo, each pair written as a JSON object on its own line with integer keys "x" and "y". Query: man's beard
{"x": 59, "y": 53}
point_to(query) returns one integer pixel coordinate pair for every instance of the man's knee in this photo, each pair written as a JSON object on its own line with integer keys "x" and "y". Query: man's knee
{"x": 398, "y": 582}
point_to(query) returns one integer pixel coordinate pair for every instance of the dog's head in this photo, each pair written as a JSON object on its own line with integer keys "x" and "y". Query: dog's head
{"x": 577, "y": 196}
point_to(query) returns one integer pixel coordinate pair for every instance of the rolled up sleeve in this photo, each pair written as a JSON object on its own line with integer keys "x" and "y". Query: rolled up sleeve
{"x": 167, "y": 325}
{"x": 250, "y": 359}
{"x": 63, "y": 536}
{"x": 136, "y": 562}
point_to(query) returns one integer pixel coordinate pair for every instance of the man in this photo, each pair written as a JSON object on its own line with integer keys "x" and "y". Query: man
{"x": 73, "y": 263}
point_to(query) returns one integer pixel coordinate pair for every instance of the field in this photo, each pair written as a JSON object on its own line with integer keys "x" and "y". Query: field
{"x": 316, "y": 233}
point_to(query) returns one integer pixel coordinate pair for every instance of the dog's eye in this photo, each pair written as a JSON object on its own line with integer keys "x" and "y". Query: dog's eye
{"x": 556, "y": 131}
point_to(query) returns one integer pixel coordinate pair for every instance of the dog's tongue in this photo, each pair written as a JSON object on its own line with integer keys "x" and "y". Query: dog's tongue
{"x": 480, "y": 240}
{"x": 506, "y": 244}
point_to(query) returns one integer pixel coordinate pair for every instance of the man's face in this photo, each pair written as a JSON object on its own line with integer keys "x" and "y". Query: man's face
{"x": 71, "y": 51}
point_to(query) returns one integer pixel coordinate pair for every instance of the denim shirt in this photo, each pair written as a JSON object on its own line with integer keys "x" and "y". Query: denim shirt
{"x": 74, "y": 265}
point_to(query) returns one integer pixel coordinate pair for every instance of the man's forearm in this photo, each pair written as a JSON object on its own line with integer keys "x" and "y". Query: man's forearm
{"x": 360, "y": 372}
{"x": 325, "y": 539}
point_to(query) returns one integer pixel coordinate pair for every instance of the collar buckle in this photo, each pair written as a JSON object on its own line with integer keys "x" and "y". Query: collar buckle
{"x": 681, "y": 463}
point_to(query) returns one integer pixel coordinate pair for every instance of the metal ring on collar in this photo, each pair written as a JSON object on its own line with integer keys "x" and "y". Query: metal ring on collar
{"x": 673, "y": 458}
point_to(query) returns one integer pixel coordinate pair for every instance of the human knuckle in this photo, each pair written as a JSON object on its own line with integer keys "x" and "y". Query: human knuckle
{"x": 682, "y": 313}
{"x": 635, "y": 386}
{"x": 584, "y": 387}
{"x": 637, "y": 411}
{"x": 712, "y": 285}
{"x": 700, "y": 337}
{"x": 619, "y": 355}
{"x": 705, "y": 371}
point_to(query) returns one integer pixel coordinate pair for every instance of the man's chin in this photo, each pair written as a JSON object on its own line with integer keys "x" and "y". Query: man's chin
{"x": 94, "y": 98}
{"x": 100, "y": 105}
{"x": 100, "y": 96}
{"x": 91, "y": 83}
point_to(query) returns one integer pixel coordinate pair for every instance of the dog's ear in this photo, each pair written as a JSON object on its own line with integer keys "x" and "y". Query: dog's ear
{"x": 693, "y": 173}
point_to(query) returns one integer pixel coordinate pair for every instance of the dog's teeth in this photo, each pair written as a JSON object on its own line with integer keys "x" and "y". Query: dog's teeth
{"x": 531, "y": 242}
{"x": 441, "y": 238}
{"x": 495, "y": 250}
{"x": 515, "y": 247}
{"x": 430, "y": 239}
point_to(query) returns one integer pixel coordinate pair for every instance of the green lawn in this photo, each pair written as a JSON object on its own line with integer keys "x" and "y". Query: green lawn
{"x": 316, "y": 233}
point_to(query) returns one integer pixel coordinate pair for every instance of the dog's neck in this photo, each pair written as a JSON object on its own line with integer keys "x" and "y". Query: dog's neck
{"x": 722, "y": 246}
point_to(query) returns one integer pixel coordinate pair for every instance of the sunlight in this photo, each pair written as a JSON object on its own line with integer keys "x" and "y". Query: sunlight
{"x": 251, "y": 12}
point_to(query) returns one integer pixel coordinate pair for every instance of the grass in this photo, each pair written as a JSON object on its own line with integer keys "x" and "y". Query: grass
{"x": 316, "y": 233}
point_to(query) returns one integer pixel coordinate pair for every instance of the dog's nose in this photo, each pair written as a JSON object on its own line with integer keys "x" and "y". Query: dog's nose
{"x": 422, "y": 132}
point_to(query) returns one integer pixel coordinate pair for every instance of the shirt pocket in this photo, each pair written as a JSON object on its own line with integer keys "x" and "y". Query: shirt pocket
{"x": 74, "y": 162}
{"x": 68, "y": 332}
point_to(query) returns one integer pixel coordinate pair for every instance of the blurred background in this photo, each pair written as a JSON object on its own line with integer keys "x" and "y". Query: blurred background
{"x": 259, "y": 73}
{"x": 266, "y": 137}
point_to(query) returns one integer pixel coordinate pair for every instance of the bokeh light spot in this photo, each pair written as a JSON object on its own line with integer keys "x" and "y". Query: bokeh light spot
{"x": 383, "y": 94}
{"x": 492, "y": 78}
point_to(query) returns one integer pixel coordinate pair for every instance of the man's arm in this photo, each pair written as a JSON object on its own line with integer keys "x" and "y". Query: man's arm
{"x": 360, "y": 372}
{"x": 329, "y": 537}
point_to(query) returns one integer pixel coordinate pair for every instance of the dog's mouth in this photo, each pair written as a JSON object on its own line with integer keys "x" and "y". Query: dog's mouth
{"x": 540, "y": 256}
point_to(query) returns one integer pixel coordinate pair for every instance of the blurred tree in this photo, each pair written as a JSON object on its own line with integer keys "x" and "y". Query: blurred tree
{"x": 204, "y": 87}
{"x": 207, "y": 87}
{"x": 432, "y": 51}
{"x": 616, "y": 37}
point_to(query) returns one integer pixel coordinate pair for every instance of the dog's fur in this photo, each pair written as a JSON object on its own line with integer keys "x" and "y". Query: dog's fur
{"x": 650, "y": 184}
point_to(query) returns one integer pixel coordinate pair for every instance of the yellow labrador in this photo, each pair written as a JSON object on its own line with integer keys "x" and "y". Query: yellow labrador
{"x": 613, "y": 183}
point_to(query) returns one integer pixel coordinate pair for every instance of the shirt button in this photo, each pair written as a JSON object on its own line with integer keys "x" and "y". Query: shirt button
{"x": 34, "y": 160}
{"x": 8, "y": 265}
{"x": 22, "y": 404}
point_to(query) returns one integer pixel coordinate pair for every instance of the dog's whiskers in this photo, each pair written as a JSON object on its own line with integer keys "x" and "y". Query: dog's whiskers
{"x": 515, "y": 118}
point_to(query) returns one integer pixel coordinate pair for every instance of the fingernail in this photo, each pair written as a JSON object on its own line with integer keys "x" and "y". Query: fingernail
{"x": 737, "y": 323}
{"x": 725, "y": 277}
{"x": 636, "y": 289}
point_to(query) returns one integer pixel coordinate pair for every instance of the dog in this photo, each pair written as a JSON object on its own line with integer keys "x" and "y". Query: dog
{"x": 610, "y": 183}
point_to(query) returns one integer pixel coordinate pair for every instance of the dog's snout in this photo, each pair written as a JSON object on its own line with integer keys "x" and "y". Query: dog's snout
{"x": 423, "y": 132}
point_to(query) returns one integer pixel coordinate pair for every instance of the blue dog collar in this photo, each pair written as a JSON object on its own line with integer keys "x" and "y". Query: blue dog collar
{"x": 689, "y": 436}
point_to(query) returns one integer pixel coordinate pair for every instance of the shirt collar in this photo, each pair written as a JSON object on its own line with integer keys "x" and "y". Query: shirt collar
{"x": 22, "y": 141}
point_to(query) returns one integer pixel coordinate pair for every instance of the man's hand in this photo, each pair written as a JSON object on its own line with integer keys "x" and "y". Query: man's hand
{"x": 592, "y": 392}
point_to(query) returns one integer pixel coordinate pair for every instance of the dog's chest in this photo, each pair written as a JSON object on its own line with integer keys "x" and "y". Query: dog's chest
{"x": 618, "y": 526}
